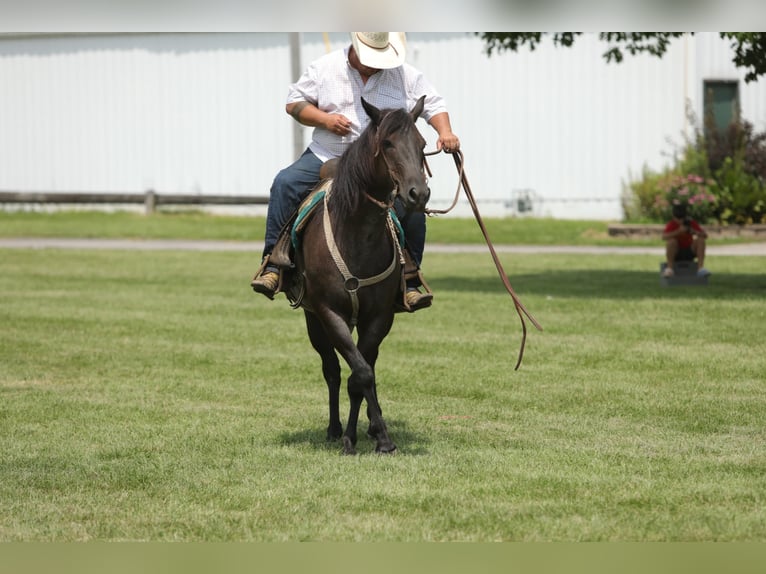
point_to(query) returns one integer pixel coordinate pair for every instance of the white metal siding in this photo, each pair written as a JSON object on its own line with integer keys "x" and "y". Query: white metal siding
{"x": 714, "y": 62}
{"x": 205, "y": 113}
{"x": 175, "y": 113}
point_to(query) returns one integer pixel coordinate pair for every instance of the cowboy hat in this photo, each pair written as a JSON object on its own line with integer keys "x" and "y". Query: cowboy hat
{"x": 381, "y": 50}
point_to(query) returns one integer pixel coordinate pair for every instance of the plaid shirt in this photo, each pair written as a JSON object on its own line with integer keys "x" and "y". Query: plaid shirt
{"x": 333, "y": 86}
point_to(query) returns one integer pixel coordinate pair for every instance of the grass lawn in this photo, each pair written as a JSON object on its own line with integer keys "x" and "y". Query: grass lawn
{"x": 153, "y": 396}
{"x": 195, "y": 225}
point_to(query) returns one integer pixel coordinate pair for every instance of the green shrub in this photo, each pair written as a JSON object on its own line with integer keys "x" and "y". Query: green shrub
{"x": 741, "y": 195}
{"x": 719, "y": 175}
{"x": 639, "y": 196}
{"x": 739, "y": 141}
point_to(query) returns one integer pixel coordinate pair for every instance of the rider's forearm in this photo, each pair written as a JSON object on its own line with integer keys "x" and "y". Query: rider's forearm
{"x": 306, "y": 114}
{"x": 440, "y": 122}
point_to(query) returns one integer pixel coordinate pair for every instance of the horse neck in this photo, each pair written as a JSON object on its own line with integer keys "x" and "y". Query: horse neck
{"x": 359, "y": 221}
{"x": 361, "y": 174}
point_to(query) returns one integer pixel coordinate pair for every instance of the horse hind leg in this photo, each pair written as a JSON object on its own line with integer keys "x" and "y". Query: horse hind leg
{"x": 330, "y": 371}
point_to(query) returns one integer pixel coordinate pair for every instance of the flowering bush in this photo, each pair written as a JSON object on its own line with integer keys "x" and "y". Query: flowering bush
{"x": 734, "y": 158}
{"x": 693, "y": 191}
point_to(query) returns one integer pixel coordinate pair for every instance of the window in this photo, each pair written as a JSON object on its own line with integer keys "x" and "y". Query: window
{"x": 721, "y": 101}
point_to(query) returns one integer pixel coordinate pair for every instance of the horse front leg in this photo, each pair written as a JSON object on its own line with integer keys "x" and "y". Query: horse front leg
{"x": 361, "y": 385}
{"x": 371, "y": 358}
{"x": 361, "y": 382}
{"x": 330, "y": 371}
{"x": 370, "y": 338}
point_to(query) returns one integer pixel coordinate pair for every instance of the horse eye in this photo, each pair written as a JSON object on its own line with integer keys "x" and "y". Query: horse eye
{"x": 387, "y": 144}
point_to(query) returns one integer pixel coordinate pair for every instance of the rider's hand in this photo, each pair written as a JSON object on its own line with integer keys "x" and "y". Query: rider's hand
{"x": 449, "y": 142}
{"x": 338, "y": 124}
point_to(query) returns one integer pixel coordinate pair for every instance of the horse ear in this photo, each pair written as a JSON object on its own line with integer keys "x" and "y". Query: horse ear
{"x": 418, "y": 109}
{"x": 372, "y": 111}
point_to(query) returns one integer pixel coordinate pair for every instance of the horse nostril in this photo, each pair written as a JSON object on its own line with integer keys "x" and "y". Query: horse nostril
{"x": 419, "y": 195}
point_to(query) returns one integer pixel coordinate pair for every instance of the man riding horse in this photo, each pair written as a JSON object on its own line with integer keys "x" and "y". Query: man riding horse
{"x": 328, "y": 97}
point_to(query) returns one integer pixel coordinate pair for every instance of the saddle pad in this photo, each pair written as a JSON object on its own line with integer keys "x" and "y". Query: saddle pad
{"x": 309, "y": 205}
{"x": 306, "y": 209}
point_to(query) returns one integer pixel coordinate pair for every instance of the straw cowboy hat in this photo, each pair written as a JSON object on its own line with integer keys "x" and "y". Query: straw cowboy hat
{"x": 381, "y": 50}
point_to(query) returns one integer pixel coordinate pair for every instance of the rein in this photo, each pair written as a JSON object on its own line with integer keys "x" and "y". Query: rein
{"x": 381, "y": 204}
{"x": 463, "y": 182}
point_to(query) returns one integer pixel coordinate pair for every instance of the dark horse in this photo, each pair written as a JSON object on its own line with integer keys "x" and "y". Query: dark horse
{"x": 351, "y": 263}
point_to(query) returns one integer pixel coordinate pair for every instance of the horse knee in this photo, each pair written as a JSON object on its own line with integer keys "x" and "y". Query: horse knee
{"x": 361, "y": 381}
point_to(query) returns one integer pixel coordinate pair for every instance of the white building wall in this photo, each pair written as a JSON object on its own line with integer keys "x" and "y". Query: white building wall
{"x": 205, "y": 113}
{"x": 171, "y": 112}
{"x": 714, "y": 62}
{"x": 558, "y": 122}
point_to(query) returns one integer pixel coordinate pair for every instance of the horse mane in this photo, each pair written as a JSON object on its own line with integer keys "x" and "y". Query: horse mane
{"x": 356, "y": 167}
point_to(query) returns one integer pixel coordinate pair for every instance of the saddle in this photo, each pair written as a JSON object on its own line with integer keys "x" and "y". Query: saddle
{"x": 283, "y": 254}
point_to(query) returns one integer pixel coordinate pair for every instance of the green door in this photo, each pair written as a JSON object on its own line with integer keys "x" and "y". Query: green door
{"x": 721, "y": 103}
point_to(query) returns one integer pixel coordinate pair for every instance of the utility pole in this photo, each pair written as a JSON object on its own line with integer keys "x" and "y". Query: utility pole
{"x": 295, "y": 72}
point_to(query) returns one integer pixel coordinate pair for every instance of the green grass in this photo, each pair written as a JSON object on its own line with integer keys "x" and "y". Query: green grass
{"x": 161, "y": 225}
{"x": 195, "y": 225}
{"x": 153, "y": 396}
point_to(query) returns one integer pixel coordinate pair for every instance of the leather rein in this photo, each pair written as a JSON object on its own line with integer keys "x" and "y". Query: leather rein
{"x": 463, "y": 182}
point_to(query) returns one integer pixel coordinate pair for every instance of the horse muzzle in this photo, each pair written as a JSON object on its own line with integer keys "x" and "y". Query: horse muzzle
{"x": 416, "y": 197}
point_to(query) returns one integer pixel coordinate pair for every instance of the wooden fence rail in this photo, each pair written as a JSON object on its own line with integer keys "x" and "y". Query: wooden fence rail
{"x": 150, "y": 199}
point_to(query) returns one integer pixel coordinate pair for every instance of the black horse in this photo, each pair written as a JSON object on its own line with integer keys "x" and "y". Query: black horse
{"x": 351, "y": 263}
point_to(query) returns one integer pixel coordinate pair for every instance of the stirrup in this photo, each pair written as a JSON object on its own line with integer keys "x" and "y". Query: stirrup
{"x": 416, "y": 300}
{"x": 263, "y": 282}
{"x": 266, "y": 284}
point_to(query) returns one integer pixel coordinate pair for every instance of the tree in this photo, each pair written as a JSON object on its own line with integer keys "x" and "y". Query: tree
{"x": 750, "y": 52}
{"x": 749, "y": 47}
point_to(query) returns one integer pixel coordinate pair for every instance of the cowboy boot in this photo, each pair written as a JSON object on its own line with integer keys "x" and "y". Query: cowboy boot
{"x": 417, "y": 300}
{"x": 266, "y": 279}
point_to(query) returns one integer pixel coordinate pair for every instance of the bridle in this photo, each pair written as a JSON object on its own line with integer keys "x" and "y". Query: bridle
{"x": 393, "y": 174}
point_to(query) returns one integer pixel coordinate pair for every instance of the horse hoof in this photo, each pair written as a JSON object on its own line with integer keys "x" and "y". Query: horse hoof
{"x": 332, "y": 436}
{"x": 348, "y": 446}
{"x": 386, "y": 449}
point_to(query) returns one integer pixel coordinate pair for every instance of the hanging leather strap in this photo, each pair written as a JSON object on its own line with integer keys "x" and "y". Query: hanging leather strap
{"x": 520, "y": 309}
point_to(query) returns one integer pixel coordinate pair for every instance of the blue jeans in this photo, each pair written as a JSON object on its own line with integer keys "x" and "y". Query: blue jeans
{"x": 293, "y": 184}
{"x": 290, "y": 187}
{"x": 414, "y": 226}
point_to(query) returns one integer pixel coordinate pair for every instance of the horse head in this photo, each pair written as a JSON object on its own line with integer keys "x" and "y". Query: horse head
{"x": 401, "y": 146}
